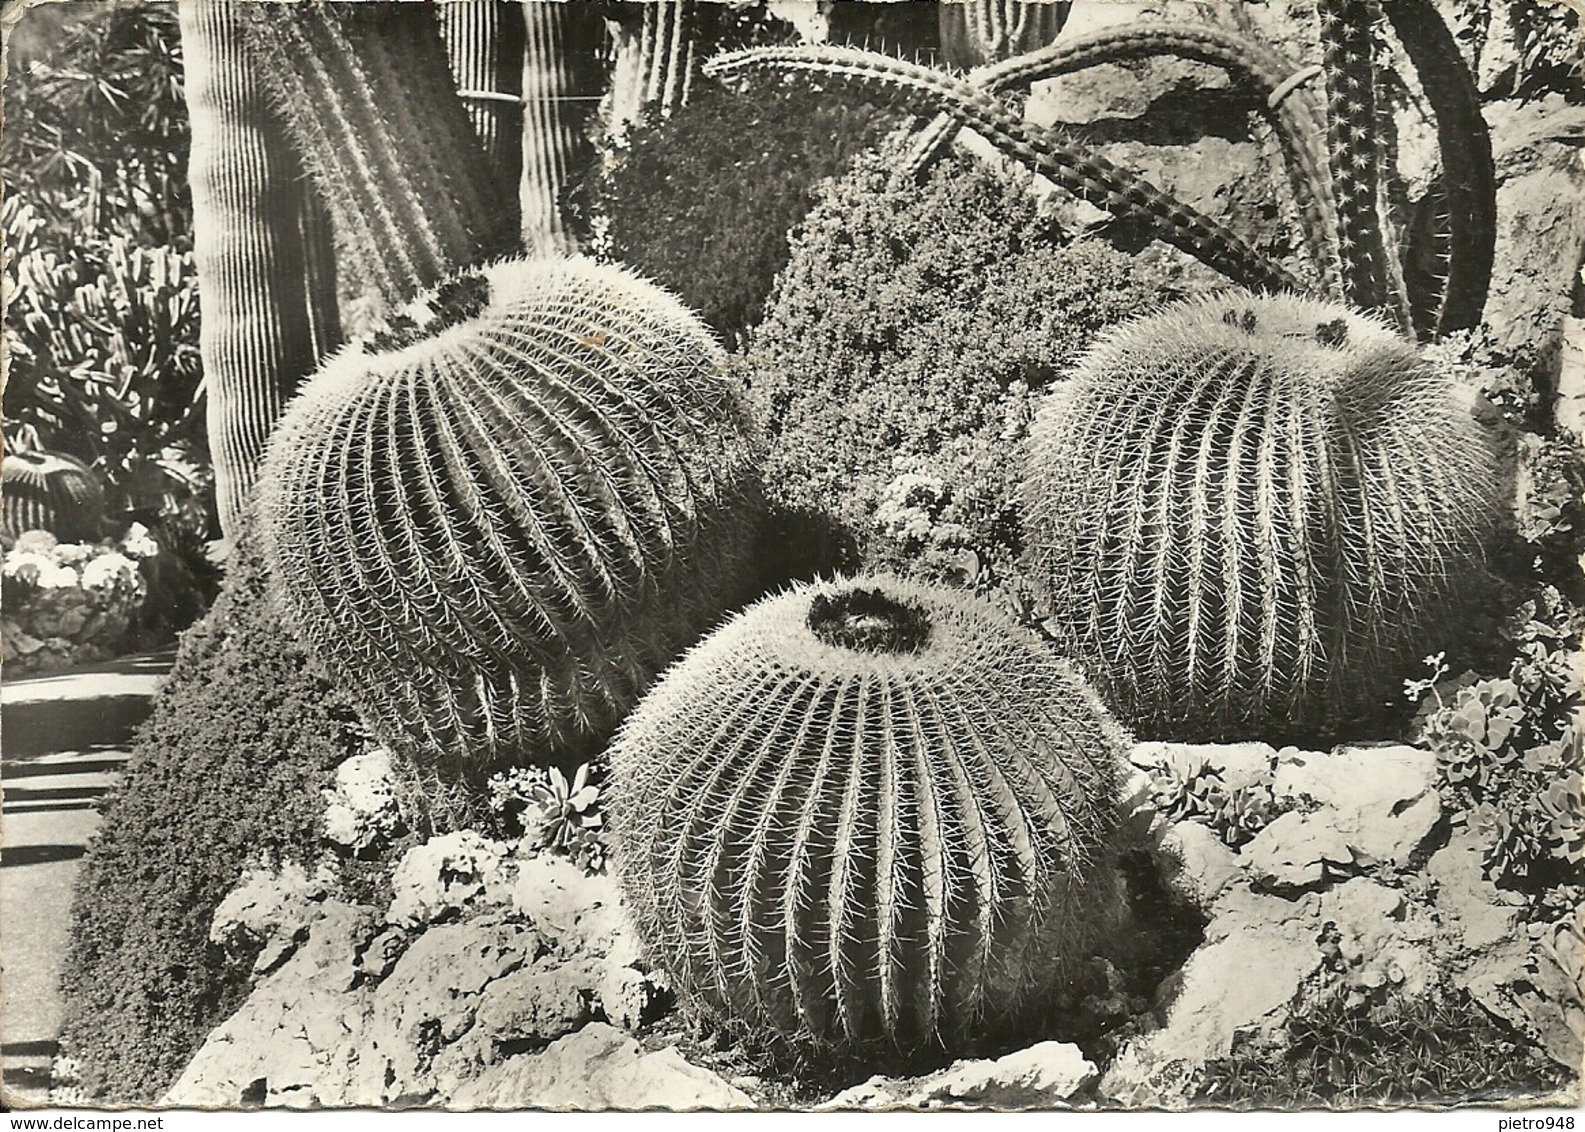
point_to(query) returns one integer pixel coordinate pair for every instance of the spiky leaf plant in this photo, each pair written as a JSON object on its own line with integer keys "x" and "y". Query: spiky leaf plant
{"x": 50, "y": 491}
{"x": 868, "y": 813}
{"x": 1252, "y": 514}
{"x": 498, "y": 520}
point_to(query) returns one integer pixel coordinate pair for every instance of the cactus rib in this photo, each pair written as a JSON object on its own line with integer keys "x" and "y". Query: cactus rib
{"x": 868, "y": 813}
{"x": 1085, "y": 174}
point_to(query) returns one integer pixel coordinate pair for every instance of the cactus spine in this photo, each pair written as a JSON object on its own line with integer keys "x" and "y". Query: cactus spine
{"x": 497, "y": 521}
{"x": 868, "y": 813}
{"x": 1076, "y": 169}
{"x": 50, "y": 491}
{"x": 1252, "y": 515}
{"x": 267, "y": 292}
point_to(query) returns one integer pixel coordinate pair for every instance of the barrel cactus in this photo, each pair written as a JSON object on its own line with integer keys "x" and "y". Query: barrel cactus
{"x": 50, "y": 491}
{"x": 496, "y": 520}
{"x": 1254, "y": 515}
{"x": 868, "y": 814}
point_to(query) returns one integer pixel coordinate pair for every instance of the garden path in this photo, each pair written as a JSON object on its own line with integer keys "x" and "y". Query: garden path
{"x": 64, "y": 742}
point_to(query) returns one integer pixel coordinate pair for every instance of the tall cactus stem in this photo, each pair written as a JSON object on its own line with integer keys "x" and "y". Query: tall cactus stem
{"x": 1468, "y": 174}
{"x": 484, "y": 41}
{"x": 655, "y": 59}
{"x": 268, "y": 295}
{"x": 1076, "y": 169}
{"x": 561, "y": 86}
{"x": 1368, "y": 272}
{"x": 366, "y": 91}
{"x": 976, "y": 32}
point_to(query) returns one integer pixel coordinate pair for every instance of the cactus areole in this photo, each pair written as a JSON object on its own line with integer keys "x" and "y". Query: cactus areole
{"x": 868, "y": 814}
{"x": 1252, "y": 516}
{"x": 497, "y": 519}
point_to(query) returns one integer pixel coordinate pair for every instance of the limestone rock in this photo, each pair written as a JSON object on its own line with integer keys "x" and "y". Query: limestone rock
{"x": 273, "y": 907}
{"x": 361, "y": 810}
{"x": 1472, "y": 907}
{"x": 598, "y": 1068}
{"x": 1381, "y": 801}
{"x": 1297, "y": 852}
{"x": 1195, "y": 864}
{"x": 439, "y": 878}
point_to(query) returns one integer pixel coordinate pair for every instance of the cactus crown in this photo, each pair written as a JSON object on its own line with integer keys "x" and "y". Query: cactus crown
{"x": 499, "y": 519}
{"x": 50, "y": 491}
{"x": 868, "y": 813}
{"x": 1250, "y": 513}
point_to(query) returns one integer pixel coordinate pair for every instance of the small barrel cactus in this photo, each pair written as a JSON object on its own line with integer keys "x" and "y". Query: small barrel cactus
{"x": 498, "y": 519}
{"x": 868, "y": 814}
{"x": 1252, "y": 515}
{"x": 50, "y": 491}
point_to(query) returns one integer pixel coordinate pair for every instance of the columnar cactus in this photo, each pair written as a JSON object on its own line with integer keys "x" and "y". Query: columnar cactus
{"x": 260, "y": 245}
{"x": 484, "y": 42}
{"x": 49, "y": 491}
{"x": 562, "y": 81}
{"x": 976, "y": 32}
{"x": 654, "y": 59}
{"x": 868, "y": 813}
{"x": 496, "y": 521}
{"x": 1253, "y": 515}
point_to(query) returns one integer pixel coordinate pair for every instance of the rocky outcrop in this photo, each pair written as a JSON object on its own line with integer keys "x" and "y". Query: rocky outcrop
{"x": 1045, "y": 1075}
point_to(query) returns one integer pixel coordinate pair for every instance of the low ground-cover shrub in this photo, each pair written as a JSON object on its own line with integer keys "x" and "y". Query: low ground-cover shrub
{"x": 703, "y": 202}
{"x": 229, "y": 768}
{"x": 901, "y": 351}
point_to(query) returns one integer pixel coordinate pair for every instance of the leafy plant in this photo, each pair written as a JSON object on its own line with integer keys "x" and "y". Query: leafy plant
{"x": 232, "y": 763}
{"x": 703, "y": 201}
{"x": 1440, "y": 1048}
{"x": 869, "y": 814}
{"x": 902, "y": 351}
{"x": 551, "y": 813}
{"x": 1191, "y": 789}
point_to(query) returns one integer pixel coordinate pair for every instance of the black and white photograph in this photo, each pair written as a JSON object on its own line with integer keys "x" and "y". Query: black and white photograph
{"x": 792, "y": 556}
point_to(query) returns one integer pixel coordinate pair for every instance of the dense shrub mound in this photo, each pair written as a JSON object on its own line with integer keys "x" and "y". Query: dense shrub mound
{"x": 228, "y": 769}
{"x": 903, "y": 347}
{"x": 702, "y": 202}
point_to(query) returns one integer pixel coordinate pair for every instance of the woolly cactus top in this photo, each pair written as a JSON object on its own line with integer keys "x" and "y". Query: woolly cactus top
{"x": 868, "y": 812}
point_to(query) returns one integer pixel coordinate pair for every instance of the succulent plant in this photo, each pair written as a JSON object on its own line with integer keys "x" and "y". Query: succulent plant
{"x": 1252, "y": 515}
{"x": 868, "y": 813}
{"x": 495, "y": 521}
{"x": 50, "y": 491}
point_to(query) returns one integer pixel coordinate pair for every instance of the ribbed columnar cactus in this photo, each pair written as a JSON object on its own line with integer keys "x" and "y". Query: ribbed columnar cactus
{"x": 497, "y": 521}
{"x": 975, "y": 32}
{"x": 868, "y": 813}
{"x": 654, "y": 59}
{"x": 50, "y": 491}
{"x": 562, "y": 83}
{"x": 484, "y": 42}
{"x": 1254, "y": 515}
{"x": 260, "y": 245}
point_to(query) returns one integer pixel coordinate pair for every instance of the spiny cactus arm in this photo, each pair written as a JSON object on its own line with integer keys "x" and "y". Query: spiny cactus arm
{"x": 1468, "y": 174}
{"x": 264, "y": 279}
{"x": 655, "y": 59}
{"x": 1370, "y": 274}
{"x": 485, "y": 40}
{"x": 1085, "y": 174}
{"x": 1293, "y": 116}
{"x": 562, "y": 81}
{"x": 366, "y": 91}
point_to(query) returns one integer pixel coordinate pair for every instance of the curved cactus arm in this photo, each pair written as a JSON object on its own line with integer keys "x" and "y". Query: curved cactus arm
{"x": 367, "y": 94}
{"x": 654, "y": 61}
{"x": 484, "y": 42}
{"x": 268, "y": 292}
{"x": 1297, "y": 122}
{"x": 1468, "y": 174}
{"x": 1370, "y": 275}
{"x": 1074, "y": 168}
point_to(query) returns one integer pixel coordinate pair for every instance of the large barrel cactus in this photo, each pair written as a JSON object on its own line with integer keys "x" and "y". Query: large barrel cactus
{"x": 1253, "y": 515}
{"x": 495, "y": 521}
{"x": 50, "y": 491}
{"x": 869, "y": 813}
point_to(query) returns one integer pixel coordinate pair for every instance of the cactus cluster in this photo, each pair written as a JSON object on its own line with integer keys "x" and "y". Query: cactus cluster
{"x": 868, "y": 814}
{"x": 497, "y": 520}
{"x": 50, "y": 491}
{"x": 1251, "y": 514}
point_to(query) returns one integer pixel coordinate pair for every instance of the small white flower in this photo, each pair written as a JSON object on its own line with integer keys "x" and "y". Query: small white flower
{"x": 139, "y": 543}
